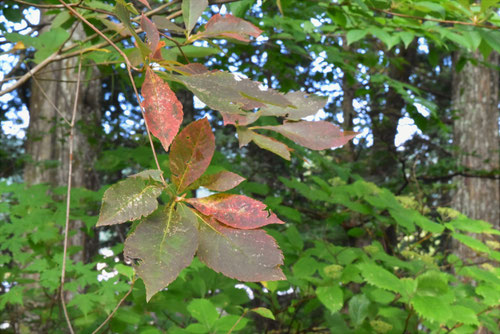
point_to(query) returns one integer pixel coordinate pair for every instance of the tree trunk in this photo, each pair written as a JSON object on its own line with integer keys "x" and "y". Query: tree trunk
{"x": 51, "y": 105}
{"x": 475, "y": 101}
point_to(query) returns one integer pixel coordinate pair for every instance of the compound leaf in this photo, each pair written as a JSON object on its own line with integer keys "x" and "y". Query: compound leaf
{"x": 191, "y": 11}
{"x": 191, "y": 153}
{"x": 164, "y": 243}
{"x": 130, "y": 199}
{"x": 246, "y": 255}
{"x": 231, "y": 27}
{"x": 318, "y": 135}
{"x": 237, "y": 211}
{"x": 163, "y": 110}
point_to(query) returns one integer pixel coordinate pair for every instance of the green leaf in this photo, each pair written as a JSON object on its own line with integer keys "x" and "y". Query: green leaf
{"x": 432, "y": 308}
{"x": 380, "y": 277}
{"x": 331, "y": 296}
{"x": 227, "y": 92}
{"x": 355, "y": 35}
{"x": 163, "y": 244}
{"x": 432, "y": 284}
{"x": 471, "y": 243}
{"x": 122, "y": 12}
{"x": 270, "y": 144}
{"x": 427, "y": 224}
{"x": 230, "y": 322}
{"x": 358, "y": 309}
{"x": 130, "y": 199}
{"x": 464, "y": 315}
{"x": 203, "y": 311}
{"x": 246, "y": 255}
{"x": 191, "y": 153}
{"x": 191, "y": 11}
{"x": 303, "y": 105}
{"x": 264, "y": 312}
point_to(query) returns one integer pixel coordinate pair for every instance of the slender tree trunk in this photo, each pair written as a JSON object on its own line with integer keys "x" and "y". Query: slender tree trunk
{"x": 475, "y": 101}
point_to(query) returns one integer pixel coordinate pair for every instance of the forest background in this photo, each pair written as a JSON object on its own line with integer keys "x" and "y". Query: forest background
{"x": 378, "y": 237}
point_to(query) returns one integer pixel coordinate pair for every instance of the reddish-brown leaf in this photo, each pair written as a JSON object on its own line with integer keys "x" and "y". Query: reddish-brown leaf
{"x": 230, "y": 26}
{"x": 246, "y": 255}
{"x": 314, "y": 135}
{"x": 163, "y": 111}
{"x": 237, "y": 119}
{"x": 152, "y": 34}
{"x": 237, "y": 211}
{"x": 145, "y": 3}
{"x": 192, "y": 68}
{"x": 191, "y": 153}
{"x": 221, "y": 181}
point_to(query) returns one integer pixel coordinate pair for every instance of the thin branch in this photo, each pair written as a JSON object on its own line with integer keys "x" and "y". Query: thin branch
{"x": 116, "y": 308}
{"x": 30, "y": 73}
{"x": 473, "y": 24}
{"x": 68, "y": 195}
{"x": 238, "y": 321}
{"x": 50, "y": 101}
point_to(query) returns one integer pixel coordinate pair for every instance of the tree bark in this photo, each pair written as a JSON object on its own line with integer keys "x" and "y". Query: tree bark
{"x": 53, "y": 95}
{"x": 475, "y": 101}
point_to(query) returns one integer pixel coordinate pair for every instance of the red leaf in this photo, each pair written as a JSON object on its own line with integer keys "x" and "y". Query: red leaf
{"x": 314, "y": 135}
{"x": 246, "y": 255}
{"x": 152, "y": 34}
{"x": 191, "y": 153}
{"x": 221, "y": 181}
{"x": 237, "y": 119}
{"x": 163, "y": 110}
{"x": 231, "y": 27}
{"x": 237, "y": 211}
{"x": 145, "y": 3}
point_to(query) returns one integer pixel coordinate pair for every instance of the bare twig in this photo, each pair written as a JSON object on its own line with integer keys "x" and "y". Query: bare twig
{"x": 30, "y": 73}
{"x": 68, "y": 195}
{"x": 115, "y": 309}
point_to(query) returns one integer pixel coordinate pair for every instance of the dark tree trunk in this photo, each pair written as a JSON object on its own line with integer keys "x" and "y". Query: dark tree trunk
{"x": 475, "y": 101}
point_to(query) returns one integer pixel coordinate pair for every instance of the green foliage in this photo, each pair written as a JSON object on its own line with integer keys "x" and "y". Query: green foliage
{"x": 352, "y": 257}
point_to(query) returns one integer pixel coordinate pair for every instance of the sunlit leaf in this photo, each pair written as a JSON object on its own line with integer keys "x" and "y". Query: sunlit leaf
{"x": 246, "y": 255}
{"x": 162, "y": 245}
{"x": 229, "y": 93}
{"x": 191, "y": 11}
{"x": 239, "y": 119}
{"x": 264, "y": 312}
{"x": 130, "y": 199}
{"x": 163, "y": 109}
{"x": 231, "y": 27}
{"x": 191, "y": 153}
{"x": 245, "y": 136}
{"x": 318, "y": 135}
{"x": 163, "y": 23}
{"x": 331, "y": 296}
{"x": 303, "y": 105}
{"x": 221, "y": 181}
{"x": 237, "y": 211}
